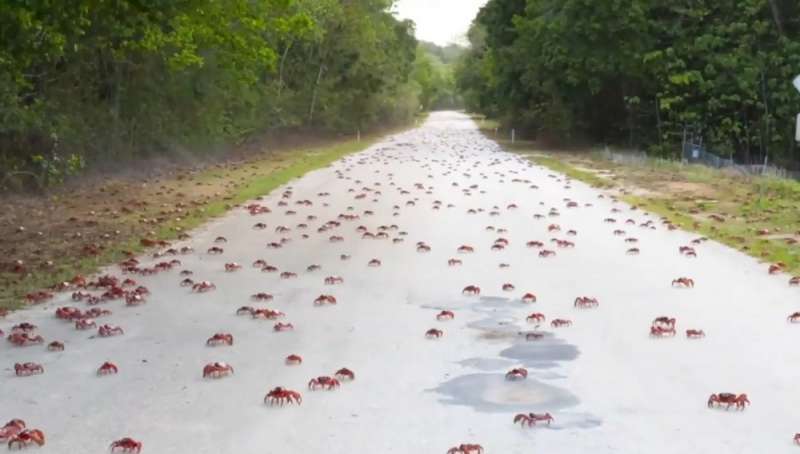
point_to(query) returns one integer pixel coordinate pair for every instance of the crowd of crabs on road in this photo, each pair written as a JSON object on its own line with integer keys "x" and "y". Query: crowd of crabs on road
{"x": 107, "y": 288}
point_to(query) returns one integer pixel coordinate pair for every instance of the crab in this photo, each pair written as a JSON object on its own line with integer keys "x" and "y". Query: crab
{"x": 560, "y": 322}
{"x": 281, "y": 396}
{"x": 283, "y": 327}
{"x": 508, "y": 287}
{"x": 28, "y": 369}
{"x": 323, "y": 382}
{"x": 434, "y": 333}
{"x": 535, "y": 317}
{"x": 26, "y": 438}
{"x": 345, "y": 374}
{"x": 261, "y": 296}
{"x": 215, "y": 250}
{"x": 220, "y": 339}
{"x": 529, "y": 298}
{"x": 471, "y": 290}
{"x": 534, "y": 244}
{"x": 288, "y": 275}
{"x": 267, "y": 314}
{"x": 664, "y": 321}
{"x": 585, "y": 302}
{"x": 740, "y": 401}
{"x": 107, "y": 368}
{"x": 312, "y": 268}
{"x": 109, "y": 330}
{"x": 794, "y": 318}
{"x": 544, "y": 253}
{"x": 55, "y": 346}
{"x": 324, "y": 299}
{"x": 687, "y": 251}
{"x": 232, "y": 266}
{"x": 24, "y": 339}
{"x": 203, "y": 286}
{"x": 531, "y": 418}
{"x": 217, "y": 370}
{"x": 293, "y": 360}
{"x": 24, "y": 328}
{"x": 422, "y": 247}
{"x": 465, "y": 249}
{"x": 11, "y": 428}
{"x": 517, "y": 374}
{"x": 658, "y": 331}
{"x": 633, "y": 251}
{"x": 445, "y": 315}
{"x": 128, "y": 445}
{"x": 374, "y": 263}
{"x": 695, "y": 333}
{"x": 334, "y": 280}
{"x": 684, "y": 282}
{"x": 466, "y": 449}
{"x": 245, "y": 310}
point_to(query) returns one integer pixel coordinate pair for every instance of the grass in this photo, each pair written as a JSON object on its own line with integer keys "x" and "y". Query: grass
{"x": 170, "y": 206}
{"x": 759, "y": 216}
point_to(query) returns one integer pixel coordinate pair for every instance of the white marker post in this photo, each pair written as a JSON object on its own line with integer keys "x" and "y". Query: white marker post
{"x": 796, "y": 83}
{"x": 513, "y": 135}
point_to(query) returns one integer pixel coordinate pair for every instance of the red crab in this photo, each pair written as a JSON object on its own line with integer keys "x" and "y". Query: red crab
{"x": 204, "y": 286}
{"x": 220, "y": 339}
{"x": 529, "y": 298}
{"x": 531, "y": 418}
{"x": 684, "y": 282}
{"x": 55, "y": 346}
{"x": 24, "y": 327}
{"x": 586, "y": 302}
{"x": 741, "y": 401}
{"x": 26, "y": 438}
{"x": 434, "y": 333}
{"x": 536, "y": 317}
{"x": 245, "y": 310}
{"x": 261, "y": 296}
{"x": 658, "y": 331}
{"x": 374, "y": 263}
{"x": 281, "y": 396}
{"x": 324, "y": 299}
{"x": 283, "y": 327}
{"x": 345, "y": 374}
{"x": 517, "y": 374}
{"x": 233, "y": 266}
{"x": 24, "y": 339}
{"x": 333, "y": 280}
{"x": 107, "y": 368}
{"x": 544, "y": 253}
{"x": 215, "y": 250}
{"x": 323, "y": 382}
{"x": 508, "y": 287}
{"x": 267, "y": 314}
{"x": 11, "y": 428}
{"x": 109, "y": 330}
{"x": 217, "y": 370}
{"x": 793, "y": 318}
{"x": 471, "y": 290}
{"x": 695, "y": 333}
{"x": 560, "y": 322}
{"x": 466, "y": 449}
{"x": 293, "y": 360}
{"x": 445, "y": 315}
{"x": 28, "y": 369}
{"x": 128, "y": 445}
{"x": 465, "y": 249}
{"x": 454, "y": 262}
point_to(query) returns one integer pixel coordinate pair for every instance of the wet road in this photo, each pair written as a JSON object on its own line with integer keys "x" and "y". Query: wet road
{"x": 609, "y": 386}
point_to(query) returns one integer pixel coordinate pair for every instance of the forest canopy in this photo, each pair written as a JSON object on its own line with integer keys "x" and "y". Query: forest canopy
{"x": 641, "y": 72}
{"x": 82, "y": 81}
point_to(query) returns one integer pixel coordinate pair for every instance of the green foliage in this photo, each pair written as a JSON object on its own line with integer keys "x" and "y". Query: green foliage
{"x": 127, "y": 78}
{"x": 640, "y": 72}
{"x": 434, "y": 75}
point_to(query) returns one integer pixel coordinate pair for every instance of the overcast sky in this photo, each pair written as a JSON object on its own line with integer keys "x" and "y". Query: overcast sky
{"x": 440, "y": 21}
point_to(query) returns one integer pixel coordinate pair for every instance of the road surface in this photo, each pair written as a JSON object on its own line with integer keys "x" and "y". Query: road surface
{"x": 610, "y": 387}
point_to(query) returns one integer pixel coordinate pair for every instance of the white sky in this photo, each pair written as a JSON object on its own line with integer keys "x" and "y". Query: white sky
{"x": 440, "y": 21}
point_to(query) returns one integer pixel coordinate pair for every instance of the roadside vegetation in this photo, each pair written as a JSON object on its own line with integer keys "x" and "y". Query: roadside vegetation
{"x": 84, "y": 84}
{"x": 77, "y": 230}
{"x": 756, "y": 215}
{"x": 640, "y": 74}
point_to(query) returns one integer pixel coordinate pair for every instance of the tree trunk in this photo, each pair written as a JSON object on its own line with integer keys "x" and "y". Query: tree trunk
{"x": 776, "y": 15}
{"x": 280, "y": 70}
{"x": 314, "y": 96}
